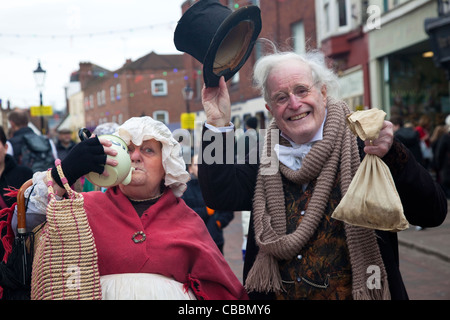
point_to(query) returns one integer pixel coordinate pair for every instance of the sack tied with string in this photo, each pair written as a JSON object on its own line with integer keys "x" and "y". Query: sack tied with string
{"x": 372, "y": 200}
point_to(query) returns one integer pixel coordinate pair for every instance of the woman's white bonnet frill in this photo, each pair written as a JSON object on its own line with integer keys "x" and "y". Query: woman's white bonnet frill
{"x": 139, "y": 129}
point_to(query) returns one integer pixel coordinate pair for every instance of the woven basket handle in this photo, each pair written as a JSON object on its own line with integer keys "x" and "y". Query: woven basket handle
{"x": 64, "y": 180}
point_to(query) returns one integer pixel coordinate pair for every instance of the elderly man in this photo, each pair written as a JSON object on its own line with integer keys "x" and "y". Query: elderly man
{"x": 296, "y": 250}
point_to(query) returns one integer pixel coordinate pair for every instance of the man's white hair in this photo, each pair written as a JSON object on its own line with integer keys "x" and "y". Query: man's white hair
{"x": 321, "y": 74}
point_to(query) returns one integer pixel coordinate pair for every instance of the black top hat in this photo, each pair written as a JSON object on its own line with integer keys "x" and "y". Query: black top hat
{"x": 218, "y": 37}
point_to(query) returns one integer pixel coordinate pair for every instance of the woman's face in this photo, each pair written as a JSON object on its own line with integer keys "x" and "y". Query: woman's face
{"x": 296, "y": 103}
{"x": 146, "y": 179}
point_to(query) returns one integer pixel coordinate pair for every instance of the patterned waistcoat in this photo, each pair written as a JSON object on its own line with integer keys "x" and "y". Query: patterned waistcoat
{"x": 321, "y": 270}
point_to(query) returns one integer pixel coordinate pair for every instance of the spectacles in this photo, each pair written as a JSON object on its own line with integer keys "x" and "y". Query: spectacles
{"x": 281, "y": 99}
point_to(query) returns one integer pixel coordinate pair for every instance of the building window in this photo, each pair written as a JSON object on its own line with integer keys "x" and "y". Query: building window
{"x": 159, "y": 87}
{"x": 112, "y": 94}
{"x": 103, "y": 95}
{"x": 162, "y": 116}
{"x": 326, "y": 12}
{"x": 298, "y": 33}
{"x": 342, "y": 12}
{"x": 118, "y": 91}
{"x": 91, "y": 101}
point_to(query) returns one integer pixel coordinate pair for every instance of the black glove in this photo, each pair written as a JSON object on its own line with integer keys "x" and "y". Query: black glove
{"x": 87, "y": 156}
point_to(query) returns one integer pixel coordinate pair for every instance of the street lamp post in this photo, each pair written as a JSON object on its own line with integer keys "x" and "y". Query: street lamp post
{"x": 39, "y": 77}
{"x": 188, "y": 93}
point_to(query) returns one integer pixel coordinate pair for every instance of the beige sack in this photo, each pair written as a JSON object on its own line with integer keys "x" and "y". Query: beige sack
{"x": 372, "y": 201}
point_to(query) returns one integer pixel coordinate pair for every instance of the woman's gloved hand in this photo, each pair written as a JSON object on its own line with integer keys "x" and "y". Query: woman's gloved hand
{"x": 87, "y": 156}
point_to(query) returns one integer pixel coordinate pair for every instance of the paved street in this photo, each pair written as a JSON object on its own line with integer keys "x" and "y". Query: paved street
{"x": 424, "y": 258}
{"x": 233, "y": 245}
{"x": 426, "y": 277}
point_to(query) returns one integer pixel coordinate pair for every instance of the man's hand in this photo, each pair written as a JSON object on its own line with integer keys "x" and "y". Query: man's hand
{"x": 216, "y": 102}
{"x": 383, "y": 143}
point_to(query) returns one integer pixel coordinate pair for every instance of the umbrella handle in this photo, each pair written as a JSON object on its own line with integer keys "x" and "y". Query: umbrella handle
{"x": 21, "y": 214}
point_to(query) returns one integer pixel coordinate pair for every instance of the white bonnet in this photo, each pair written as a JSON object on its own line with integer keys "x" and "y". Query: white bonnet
{"x": 139, "y": 129}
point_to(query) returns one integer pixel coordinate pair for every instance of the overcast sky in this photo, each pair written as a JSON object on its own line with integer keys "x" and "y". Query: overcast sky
{"x": 61, "y": 34}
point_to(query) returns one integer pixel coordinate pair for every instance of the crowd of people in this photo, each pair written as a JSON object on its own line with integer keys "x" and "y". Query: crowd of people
{"x": 428, "y": 143}
{"x": 160, "y": 236}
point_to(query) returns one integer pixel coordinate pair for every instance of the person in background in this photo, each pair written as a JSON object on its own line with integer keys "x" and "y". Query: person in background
{"x": 442, "y": 159}
{"x": 423, "y": 128}
{"x": 408, "y": 136}
{"x": 439, "y": 131}
{"x": 19, "y": 130}
{"x": 64, "y": 143}
{"x": 18, "y": 121}
{"x": 12, "y": 175}
{"x": 248, "y": 143}
{"x": 215, "y": 220}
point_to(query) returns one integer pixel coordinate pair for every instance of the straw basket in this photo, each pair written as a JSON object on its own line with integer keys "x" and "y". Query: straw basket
{"x": 65, "y": 262}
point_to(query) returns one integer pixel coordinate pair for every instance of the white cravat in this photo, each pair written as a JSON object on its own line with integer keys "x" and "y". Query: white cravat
{"x": 292, "y": 157}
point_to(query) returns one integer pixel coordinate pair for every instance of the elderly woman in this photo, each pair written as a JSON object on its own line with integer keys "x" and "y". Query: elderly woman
{"x": 296, "y": 250}
{"x": 150, "y": 244}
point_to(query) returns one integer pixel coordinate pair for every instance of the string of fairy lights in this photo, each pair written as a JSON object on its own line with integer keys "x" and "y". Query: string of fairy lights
{"x": 85, "y": 34}
{"x": 72, "y": 36}
{"x": 91, "y": 35}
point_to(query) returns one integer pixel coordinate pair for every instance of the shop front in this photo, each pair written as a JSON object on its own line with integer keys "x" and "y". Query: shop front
{"x": 404, "y": 78}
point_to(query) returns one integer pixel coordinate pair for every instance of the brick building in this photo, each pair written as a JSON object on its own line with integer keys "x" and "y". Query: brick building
{"x": 151, "y": 85}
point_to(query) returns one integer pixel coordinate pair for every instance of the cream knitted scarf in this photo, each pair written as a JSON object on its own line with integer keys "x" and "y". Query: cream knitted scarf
{"x": 337, "y": 151}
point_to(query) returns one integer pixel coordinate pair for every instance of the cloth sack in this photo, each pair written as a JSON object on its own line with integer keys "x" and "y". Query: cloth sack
{"x": 372, "y": 200}
{"x": 65, "y": 263}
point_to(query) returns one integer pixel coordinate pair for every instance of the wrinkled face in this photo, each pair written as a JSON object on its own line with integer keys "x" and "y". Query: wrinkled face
{"x": 296, "y": 103}
{"x": 149, "y": 172}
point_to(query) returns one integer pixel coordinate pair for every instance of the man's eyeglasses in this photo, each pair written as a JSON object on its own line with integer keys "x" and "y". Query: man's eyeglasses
{"x": 281, "y": 99}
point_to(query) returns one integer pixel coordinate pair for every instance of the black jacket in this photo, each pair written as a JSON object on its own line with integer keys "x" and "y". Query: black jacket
{"x": 17, "y": 141}
{"x": 231, "y": 186}
{"x": 194, "y": 199}
{"x": 14, "y": 176}
{"x": 410, "y": 139}
{"x": 63, "y": 151}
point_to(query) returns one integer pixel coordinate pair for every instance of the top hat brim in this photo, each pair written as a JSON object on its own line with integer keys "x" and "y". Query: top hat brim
{"x": 231, "y": 45}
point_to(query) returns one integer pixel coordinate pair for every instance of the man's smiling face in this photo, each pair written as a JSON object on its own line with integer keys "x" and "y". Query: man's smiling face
{"x": 296, "y": 102}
